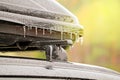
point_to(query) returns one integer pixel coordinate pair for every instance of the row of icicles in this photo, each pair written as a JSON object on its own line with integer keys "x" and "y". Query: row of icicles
{"x": 78, "y": 39}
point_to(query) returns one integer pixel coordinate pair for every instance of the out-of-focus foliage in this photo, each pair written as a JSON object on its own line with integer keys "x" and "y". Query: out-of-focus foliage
{"x": 101, "y": 21}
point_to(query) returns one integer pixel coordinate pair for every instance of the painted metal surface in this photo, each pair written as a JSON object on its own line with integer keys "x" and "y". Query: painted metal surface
{"x": 25, "y": 67}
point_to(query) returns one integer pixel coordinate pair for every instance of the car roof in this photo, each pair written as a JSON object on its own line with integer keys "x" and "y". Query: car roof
{"x": 44, "y": 5}
{"x": 33, "y": 7}
{"x": 30, "y": 67}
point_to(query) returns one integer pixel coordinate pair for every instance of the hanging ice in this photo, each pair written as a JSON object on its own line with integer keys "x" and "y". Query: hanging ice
{"x": 50, "y": 31}
{"x": 81, "y": 40}
{"x": 36, "y": 31}
{"x": 24, "y": 31}
{"x": 43, "y": 31}
{"x": 61, "y": 33}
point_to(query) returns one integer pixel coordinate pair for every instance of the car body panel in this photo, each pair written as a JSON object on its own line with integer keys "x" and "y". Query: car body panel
{"x": 37, "y": 68}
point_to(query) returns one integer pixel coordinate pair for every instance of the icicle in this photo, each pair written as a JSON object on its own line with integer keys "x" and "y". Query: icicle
{"x": 61, "y": 33}
{"x": 36, "y": 31}
{"x": 51, "y": 51}
{"x": 28, "y": 28}
{"x": 81, "y": 40}
{"x": 76, "y": 37}
{"x": 24, "y": 30}
{"x": 50, "y": 31}
{"x": 43, "y": 31}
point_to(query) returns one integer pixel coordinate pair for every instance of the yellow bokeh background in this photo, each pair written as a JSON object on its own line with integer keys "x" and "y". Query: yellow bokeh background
{"x": 101, "y": 21}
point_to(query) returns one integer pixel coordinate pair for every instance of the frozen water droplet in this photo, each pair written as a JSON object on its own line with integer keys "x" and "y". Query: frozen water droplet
{"x": 50, "y": 31}
{"x": 24, "y": 30}
{"x": 43, "y": 31}
{"x": 61, "y": 33}
{"x": 76, "y": 37}
{"x": 36, "y": 31}
{"x": 28, "y": 28}
{"x": 51, "y": 51}
{"x": 80, "y": 40}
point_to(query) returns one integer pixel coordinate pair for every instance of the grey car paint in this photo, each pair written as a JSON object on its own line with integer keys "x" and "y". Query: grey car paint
{"x": 29, "y": 67}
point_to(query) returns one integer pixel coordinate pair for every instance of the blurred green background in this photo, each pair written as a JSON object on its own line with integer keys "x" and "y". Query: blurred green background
{"x": 101, "y": 21}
